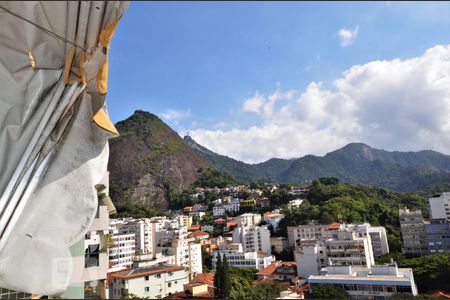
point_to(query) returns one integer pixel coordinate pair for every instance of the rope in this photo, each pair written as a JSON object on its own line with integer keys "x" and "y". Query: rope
{"x": 49, "y": 32}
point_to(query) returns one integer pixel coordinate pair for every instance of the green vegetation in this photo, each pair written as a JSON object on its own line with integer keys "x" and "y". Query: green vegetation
{"x": 328, "y": 291}
{"x": 330, "y": 200}
{"x": 127, "y": 209}
{"x": 222, "y": 280}
{"x": 431, "y": 272}
{"x": 242, "y": 286}
{"x": 211, "y": 178}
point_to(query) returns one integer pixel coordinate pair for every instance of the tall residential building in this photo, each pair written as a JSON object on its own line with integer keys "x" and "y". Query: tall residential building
{"x": 310, "y": 257}
{"x": 142, "y": 230}
{"x": 440, "y": 207}
{"x": 376, "y": 235}
{"x": 437, "y": 235}
{"x": 248, "y": 219}
{"x": 346, "y": 249}
{"x": 412, "y": 227}
{"x": 253, "y": 238}
{"x": 379, "y": 240}
{"x": 308, "y": 232}
{"x": 377, "y": 282}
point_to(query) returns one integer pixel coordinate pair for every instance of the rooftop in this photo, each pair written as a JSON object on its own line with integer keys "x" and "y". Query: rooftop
{"x": 139, "y": 272}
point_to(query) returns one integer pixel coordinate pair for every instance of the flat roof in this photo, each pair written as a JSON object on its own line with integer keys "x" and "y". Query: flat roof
{"x": 370, "y": 279}
{"x": 139, "y": 272}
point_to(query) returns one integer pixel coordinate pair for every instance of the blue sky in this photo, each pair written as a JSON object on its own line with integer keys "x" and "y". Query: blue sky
{"x": 196, "y": 64}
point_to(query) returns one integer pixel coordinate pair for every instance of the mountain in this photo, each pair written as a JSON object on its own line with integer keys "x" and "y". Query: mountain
{"x": 241, "y": 171}
{"x": 149, "y": 160}
{"x": 354, "y": 163}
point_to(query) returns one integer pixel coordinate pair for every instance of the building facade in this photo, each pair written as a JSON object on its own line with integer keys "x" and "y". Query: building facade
{"x": 253, "y": 238}
{"x": 378, "y": 282}
{"x": 155, "y": 282}
{"x": 412, "y": 227}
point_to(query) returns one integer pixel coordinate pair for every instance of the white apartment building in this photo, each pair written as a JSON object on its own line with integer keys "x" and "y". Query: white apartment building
{"x": 234, "y": 205}
{"x": 377, "y": 282}
{"x": 273, "y": 218}
{"x": 311, "y": 257}
{"x": 440, "y": 207}
{"x": 248, "y": 219}
{"x": 155, "y": 282}
{"x": 307, "y": 232}
{"x": 346, "y": 249}
{"x": 218, "y": 211}
{"x": 142, "y": 231}
{"x": 253, "y": 238}
{"x": 207, "y": 228}
{"x": 171, "y": 239}
{"x": 294, "y": 204}
{"x": 123, "y": 250}
{"x": 350, "y": 249}
{"x": 236, "y": 257}
{"x": 379, "y": 240}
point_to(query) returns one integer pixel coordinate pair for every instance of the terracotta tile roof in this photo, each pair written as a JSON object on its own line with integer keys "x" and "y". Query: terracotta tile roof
{"x": 229, "y": 224}
{"x": 205, "y": 278}
{"x": 269, "y": 270}
{"x": 194, "y": 228}
{"x": 272, "y": 268}
{"x": 139, "y": 272}
{"x": 187, "y": 208}
{"x": 219, "y": 220}
{"x": 334, "y": 225}
{"x": 440, "y": 295}
{"x": 198, "y": 233}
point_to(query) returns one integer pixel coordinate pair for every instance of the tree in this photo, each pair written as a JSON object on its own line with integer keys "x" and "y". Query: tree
{"x": 226, "y": 287}
{"x": 328, "y": 291}
{"x": 218, "y": 277}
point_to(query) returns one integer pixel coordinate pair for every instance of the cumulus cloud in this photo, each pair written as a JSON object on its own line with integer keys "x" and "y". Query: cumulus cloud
{"x": 175, "y": 115}
{"x": 347, "y": 36}
{"x": 391, "y": 104}
{"x": 254, "y": 103}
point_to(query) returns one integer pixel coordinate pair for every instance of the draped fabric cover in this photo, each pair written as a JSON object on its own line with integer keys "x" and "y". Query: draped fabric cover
{"x": 54, "y": 132}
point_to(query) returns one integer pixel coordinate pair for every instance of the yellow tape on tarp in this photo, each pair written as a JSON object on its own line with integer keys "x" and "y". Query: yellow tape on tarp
{"x": 101, "y": 118}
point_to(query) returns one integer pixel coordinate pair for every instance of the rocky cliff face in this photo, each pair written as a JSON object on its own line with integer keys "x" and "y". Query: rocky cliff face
{"x": 148, "y": 160}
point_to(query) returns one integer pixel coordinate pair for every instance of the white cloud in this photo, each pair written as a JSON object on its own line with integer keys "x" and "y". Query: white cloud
{"x": 391, "y": 104}
{"x": 175, "y": 115}
{"x": 254, "y": 103}
{"x": 348, "y": 36}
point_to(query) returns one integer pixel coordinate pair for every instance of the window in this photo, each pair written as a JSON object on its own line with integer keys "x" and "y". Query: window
{"x": 169, "y": 284}
{"x": 146, "y": 278}
{"x": 147, "y": 289}
{"x": 158, "y": 276}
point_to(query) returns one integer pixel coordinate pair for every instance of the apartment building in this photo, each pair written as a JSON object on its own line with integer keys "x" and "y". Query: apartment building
{"x": 377, "y": 282}
{"x": 412, "y": 226}
{"x": 253, "y": 238}
{"x": 307, "y": 232}
{"x": 248, "y": 219}
{"x": 310, "y": 257}
{"x": 294, "y": 204}
{"x": 437, "y": 235}
{"x": 273, "y": 218}
{"x": 440, "y": 207}
{"x": 154, "y": 282}
{"x": 350, "y": 249}
{"x": 347, "y": 248}
{"x": 376, "y": 236}
{"x": 379, "y": 240}
{"x": 236, "y": 257}
{"x": 219, "y": 210}
{"x": 282, "y": 271}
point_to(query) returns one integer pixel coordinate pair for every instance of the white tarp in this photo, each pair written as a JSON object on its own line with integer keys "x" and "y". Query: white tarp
{"x": 53, "y": 134}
